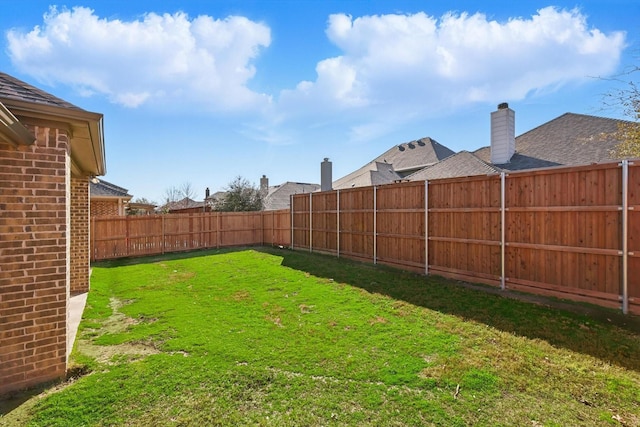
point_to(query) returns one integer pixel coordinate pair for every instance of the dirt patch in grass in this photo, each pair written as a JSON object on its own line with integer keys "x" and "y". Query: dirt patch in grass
{"x": 116, "y": 323}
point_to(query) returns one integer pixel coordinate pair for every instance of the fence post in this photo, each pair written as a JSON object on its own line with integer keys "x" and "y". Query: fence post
{"x": 92, "y": 230}
{"x": 426, "y": 227}
{"x": 291, "y": 215}
{"x": 128, "y": 240}
{"x": 218, "y": 230}
{"x": 625, "y": 237}
{"x": 162, "y": 242}
{"x": 310, "y": 223}
{"x": 375, "y": 225}
{"x": 503, "y": 232}
{"x": 338, "y": 221}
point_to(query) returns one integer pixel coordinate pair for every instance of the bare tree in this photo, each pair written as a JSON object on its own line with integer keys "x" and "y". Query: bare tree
{"x": 182, "y": 194}
{"x": 187, "y": 191}
{"x": 240, "y": 196}
{"x": 171, "y": 194}
{"x": 626, "y": 99}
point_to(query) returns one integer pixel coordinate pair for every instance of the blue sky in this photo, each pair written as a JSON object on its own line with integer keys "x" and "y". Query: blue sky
{"x": 204, "y": 91}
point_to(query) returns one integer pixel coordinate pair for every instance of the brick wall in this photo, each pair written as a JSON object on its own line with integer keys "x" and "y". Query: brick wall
{"x": 33, "y": 260}
{"x": 104, "y": 208}
{"x": 79, "y": 259}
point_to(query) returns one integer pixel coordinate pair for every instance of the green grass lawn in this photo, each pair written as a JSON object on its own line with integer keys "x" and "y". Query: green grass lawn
{"x": 282, "y": 338}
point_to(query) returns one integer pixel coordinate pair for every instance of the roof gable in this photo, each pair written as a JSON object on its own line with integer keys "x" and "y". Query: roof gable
{"x": 415, "y": 154}
{"x": 374, "y": 173}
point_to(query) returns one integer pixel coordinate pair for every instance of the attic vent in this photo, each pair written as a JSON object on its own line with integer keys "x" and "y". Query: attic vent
{"x": 401, "y": 148}
{"x": 410, "y": 145}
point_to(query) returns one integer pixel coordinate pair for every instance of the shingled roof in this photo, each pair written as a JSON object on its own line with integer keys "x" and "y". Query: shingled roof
{"x": 33, "y": 106}
{"x": 374, "y": 173}
{"x": 463, "y": 163}
{"x": 396, "y": 163}
{"x": 12, "y": 88}
{"x": 411, "y": 156}
{"x": 570, "y": 139}
{"x": 185, "y": 203}
{"x": 103, "y": 188}
{"x": 278, "y": 196}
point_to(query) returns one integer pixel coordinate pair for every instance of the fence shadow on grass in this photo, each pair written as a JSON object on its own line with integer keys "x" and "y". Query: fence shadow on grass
{"x": 601, "y": 333}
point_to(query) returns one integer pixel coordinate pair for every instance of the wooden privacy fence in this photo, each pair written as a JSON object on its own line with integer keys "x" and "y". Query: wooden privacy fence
{"x": 118, "y": 237}
{"x": 567, "y": 232}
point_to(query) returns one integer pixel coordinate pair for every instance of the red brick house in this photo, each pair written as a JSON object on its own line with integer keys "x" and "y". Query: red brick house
{"x": 49, "y": 150}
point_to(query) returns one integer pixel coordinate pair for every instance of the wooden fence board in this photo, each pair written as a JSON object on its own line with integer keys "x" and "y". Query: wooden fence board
{"x": 118, "y": 237}
{"x": 276, "y": 227}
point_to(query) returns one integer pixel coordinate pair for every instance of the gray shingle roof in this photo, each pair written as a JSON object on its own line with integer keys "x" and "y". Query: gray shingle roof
{"x": 396, "y": 163}
{"x": 411, "y": 156}
{"x": 463, "y": 163}
{"x": 103, "y": 188}
{"x": 12, "y": 88}
{"x": 374, "y": 173}
{"x": 278, "y": 196}
{"x": 571, "y": 139}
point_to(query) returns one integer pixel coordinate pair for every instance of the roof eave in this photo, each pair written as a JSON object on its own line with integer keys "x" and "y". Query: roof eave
{"x": 104, "y": 197}
{"x": 86, "y": 132}
{"x": 12, "y": 129}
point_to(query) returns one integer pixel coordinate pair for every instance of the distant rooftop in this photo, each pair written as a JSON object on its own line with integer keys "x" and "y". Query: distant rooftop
{"x": 102, "y": 188}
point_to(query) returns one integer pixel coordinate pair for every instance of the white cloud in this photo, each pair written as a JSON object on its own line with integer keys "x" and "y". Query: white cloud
{"x": 158, "y": 58}
{"x": 417, "y": 64}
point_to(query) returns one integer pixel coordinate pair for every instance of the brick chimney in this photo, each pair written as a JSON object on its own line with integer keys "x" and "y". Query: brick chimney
{"x": 503, "y": 134}
{"x": 264, "y": 185}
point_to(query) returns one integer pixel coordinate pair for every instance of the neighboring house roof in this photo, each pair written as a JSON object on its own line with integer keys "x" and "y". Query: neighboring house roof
{"x": 374, "y": 173}
{"x": 216, "y": 196}
{"x": 411, "y": 156}
{"x": 396, "y": 163}
{"x": 33, "y": 106}
{"x": 185, "y": 203}
{"x": 570, "y": 139}
{"x": 104, "y": 189}
{"x": 278, "y": 196}
{"x": 463, "y": 163}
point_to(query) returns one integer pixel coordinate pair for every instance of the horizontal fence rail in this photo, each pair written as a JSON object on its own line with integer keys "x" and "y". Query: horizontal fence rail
{"x": 570, "y": 232}
{"x": 119, "y": 237}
